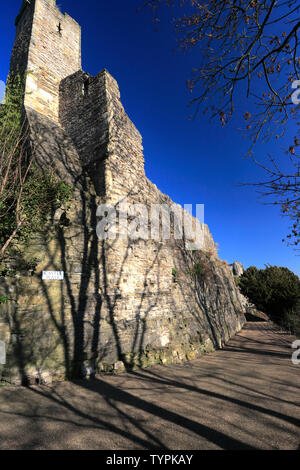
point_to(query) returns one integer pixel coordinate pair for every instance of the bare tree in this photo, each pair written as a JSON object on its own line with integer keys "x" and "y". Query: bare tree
{"x": 14, "y": 171}
{"x": 245, "y": 46}
{"x": 28, "y": 193}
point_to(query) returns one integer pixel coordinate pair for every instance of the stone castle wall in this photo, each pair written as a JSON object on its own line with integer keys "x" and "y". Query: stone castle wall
{"x": 123, "y": 303}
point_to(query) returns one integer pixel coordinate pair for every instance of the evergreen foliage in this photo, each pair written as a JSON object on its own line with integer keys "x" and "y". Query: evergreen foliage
{"x": 276, "y": 291}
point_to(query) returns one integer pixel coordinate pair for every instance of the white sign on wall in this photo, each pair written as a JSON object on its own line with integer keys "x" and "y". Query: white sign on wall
{"x": 53, "y": 275}
{"x": 2, "y": 353}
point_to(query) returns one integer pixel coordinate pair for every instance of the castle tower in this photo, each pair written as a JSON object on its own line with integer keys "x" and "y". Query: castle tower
{"x": 48, "y": 47}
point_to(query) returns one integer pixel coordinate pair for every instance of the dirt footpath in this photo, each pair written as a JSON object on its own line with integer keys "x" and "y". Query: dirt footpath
{"x": 246, "y": 396}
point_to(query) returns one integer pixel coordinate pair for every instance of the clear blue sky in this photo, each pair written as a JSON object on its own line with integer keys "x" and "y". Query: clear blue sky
{"x": 194, "y": 162}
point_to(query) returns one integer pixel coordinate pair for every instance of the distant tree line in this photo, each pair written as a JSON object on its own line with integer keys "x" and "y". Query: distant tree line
{"x": 275, "y": 291}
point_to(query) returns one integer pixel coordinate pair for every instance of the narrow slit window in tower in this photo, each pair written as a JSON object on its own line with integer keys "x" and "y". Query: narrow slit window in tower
{"x": 85, "y": 88}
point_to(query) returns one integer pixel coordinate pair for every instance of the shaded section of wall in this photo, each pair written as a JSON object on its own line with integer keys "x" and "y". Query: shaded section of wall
{"x": 20, "y": 52}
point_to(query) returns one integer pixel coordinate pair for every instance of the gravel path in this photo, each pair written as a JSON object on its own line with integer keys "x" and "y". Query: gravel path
{"x": 245, "y": 396}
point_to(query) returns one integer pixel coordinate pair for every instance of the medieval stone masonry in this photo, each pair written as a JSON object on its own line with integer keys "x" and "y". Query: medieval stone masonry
{"x": 123, "y": 303}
